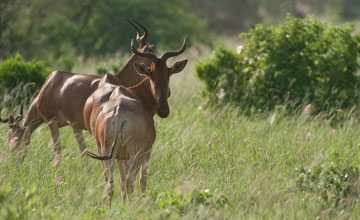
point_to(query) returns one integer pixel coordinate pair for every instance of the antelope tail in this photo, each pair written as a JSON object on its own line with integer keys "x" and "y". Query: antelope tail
{"x": 108, "y": 157}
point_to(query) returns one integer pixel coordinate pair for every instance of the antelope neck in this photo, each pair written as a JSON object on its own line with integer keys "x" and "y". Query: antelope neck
{"x": 144, "y": 94}
{"x": 27, "y": 120}
{"x": 31, "y": 119}
{"x": 127, "y": 65}
{"x": 126, "y": 73}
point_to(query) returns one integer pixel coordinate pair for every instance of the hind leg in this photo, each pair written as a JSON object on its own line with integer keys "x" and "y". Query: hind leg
{"x": 108, "y": 174}
{"x": 133, "y": 170}
{"x": 98, "y": 146}
{"x": 141, "y": 159}
{"x": 80, "y": 139}
{"x": 144, "y": 160}
{"x": 122, "y": 170}
{"x": 109, "y": 169}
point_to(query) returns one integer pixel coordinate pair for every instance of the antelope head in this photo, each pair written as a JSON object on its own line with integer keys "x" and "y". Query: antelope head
{"x": 159, "y": 73}
{"x": 16, "y": 131}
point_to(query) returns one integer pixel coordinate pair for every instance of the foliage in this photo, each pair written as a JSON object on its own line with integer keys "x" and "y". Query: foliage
{"x": 17, "y": 209}
{"x": 333, "y": 182}
{"x": 19, "y": 83}
{"x": 94, "y": 28}
{"x": 180, "y": 203}
{"x": 221, "y": 74}
{"x": 300, "y": 61}
{"x": 304, "y": 60}
{"x": 113, "y": 68}
{"x": 14, "y": 71}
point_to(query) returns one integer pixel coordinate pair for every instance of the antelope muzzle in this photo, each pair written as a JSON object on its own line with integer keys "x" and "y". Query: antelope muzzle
{"x": 163, "y": 111}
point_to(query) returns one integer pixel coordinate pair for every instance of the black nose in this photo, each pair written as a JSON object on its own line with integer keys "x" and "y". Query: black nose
{"x": 163, "y": 114}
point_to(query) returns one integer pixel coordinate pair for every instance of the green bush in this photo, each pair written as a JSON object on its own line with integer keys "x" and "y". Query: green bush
{"x": 176, "y": 204}
{"x": 19, "y": 208}
{"x": 298, "y": 62}
{"x": 223, "y": 76}
{"x": 334, "y": 183}
{"x": 14, "y": 71}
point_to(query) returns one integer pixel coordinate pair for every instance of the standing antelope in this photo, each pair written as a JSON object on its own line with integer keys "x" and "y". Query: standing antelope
{"x": 61, "y": 100}
{"x": 123, "y": 126}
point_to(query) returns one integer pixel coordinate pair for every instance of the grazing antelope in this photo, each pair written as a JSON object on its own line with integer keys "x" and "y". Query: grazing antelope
{"x": 61, "y": 100}
{"x": 123, "y": 127}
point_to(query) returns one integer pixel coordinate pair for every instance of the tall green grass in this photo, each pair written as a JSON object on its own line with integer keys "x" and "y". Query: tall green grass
{"x": 252, "y": 162}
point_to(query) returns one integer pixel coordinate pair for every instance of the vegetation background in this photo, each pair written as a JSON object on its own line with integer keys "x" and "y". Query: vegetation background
{"x": 209, "y": 162}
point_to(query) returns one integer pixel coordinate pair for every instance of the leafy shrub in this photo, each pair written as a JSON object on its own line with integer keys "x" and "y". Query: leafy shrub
{"x": 300, "y": 61}
{"x": 223, "y": 76}
{"x": 180, "y": 203}
{"x": 15, "y": 70}
{"x": 333, "y": 182}
{"x": 19, "y": 208}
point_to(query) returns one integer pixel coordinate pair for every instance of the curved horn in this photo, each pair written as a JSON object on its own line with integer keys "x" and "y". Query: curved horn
{"x": 167, "y": 55}
{"x": 3, "y": 120}
{"x": 146, "y": 33}
{"x": 141, "y": 39}
{"x": 143, "y": 54}
{"x": 21, "y": 115}
{"x": 136, "y": 28}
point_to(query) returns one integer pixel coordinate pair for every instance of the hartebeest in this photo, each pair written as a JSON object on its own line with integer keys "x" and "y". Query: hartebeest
{"x": 123, "y": 126}
{"x": 61, "y": 100}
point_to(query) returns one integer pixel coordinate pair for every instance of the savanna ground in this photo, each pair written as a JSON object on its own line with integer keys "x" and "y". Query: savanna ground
{"x": 205, "y": 164}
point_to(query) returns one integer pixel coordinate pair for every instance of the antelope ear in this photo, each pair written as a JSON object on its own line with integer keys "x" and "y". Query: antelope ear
{"x": 141, "y": 69}
{"x": 177, "y": 67}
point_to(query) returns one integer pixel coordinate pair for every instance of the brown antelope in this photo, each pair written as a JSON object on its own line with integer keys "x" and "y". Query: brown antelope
{"x": 61, "y": 100}
{"x": 123, "y": 126}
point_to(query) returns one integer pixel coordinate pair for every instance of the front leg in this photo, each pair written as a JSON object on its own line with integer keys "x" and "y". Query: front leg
{"x": 54, "y": 128}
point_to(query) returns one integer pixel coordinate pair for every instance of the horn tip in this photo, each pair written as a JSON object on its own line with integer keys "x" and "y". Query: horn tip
{"x": 132, "y": 44}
